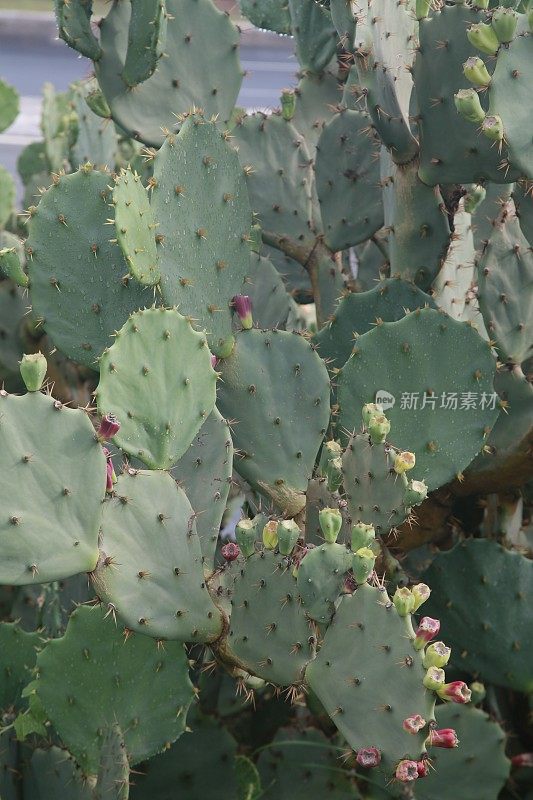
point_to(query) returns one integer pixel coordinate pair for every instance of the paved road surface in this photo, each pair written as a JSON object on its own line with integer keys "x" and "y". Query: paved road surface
{"x": 29, "y": 61}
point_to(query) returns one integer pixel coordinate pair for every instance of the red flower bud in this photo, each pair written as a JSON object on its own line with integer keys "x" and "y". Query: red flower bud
{"x": 445, "y": 737}
{"x": 456, "y": 691}
{"x": 522, "y": 760}
{"x": 109, "y": 427}
{"x": 407, "y": 771}
{"x": 111, "y": 478}
{"x": 422, "y": 768}
{"x": 230, "y": 551}
{"x": 214, "y": 361}
{"x": 368, "y": 757}
{"x": 243, "y": 306}
{"x": 414, "y": 724}
{"x": 427, "y": 629}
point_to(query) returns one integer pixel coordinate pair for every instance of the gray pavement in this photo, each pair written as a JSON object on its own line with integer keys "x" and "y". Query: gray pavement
{"x": 30, "y": 55}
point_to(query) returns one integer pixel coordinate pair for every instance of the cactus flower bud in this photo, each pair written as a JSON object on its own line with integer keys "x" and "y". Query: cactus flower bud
{"x": 370, "y": 410}
{"x": 427, "y": 629}
{"x": 422, "y": 768}
{"x": 445, "y": 737}
{"x": 368, "y": 757}
{"x": 406, "y": 771}
{"x": 230, "y": 551}
{"x": 109, "y": 427}
{"x": 468, "y": 105}
{"x": 504, "y": 22}
{"x": 436, "y": 655}
{"x": 245, "y": 533}
{"x": 270, "y": 534}
{"x": 478, "y": 692}
{"x": 416, "y": 493}
{"x": 414, "y": 724}
{"x": 404, "y": 462}
{"x": 362, "y": 536}
{"x": 378, "y": 428}
{"x": 476, "y": 72}
{"x": 434, "y": 679}
{"x": 421, "y": 593}
{"x": 288, "y": 103}
{"x": 474, "y": 197}
{"x": 98, "y": 104}
{"x": 111, "y": 478}
{"x": 456, "y": 691}
{"x": 362, "y": 564}
{"x": 484, "y": 38}
{"x": 522, "y": 760}
{"x": 492, "y": 128}
{"x": 214, "y": 361}
{"x": 288, "y": 535}
{"x": 330, "y": 465}
{"x": 404, "y": 601}
{"x": 330, "y": 520}
{"x": 243, "y": 306}
{"x": 33, "y": 369}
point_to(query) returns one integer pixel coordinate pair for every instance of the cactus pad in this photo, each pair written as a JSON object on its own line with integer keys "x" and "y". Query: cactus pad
{"x": 480, "y": 593}
{"x": 74, "y": 23}
{"x": 314, "y": 35}
{"x": 277, "y": 389}
{"x": 321, "y": 577}
{"x": 19, "y": 653}
{"x": 368, "y": 676}
{"x": 48, "y": 773}
{"x": 9, "y": 105}
{"x": 53, "y": 485}
{"x": 146, "y": 40}
{"x": 272, "y": 15}
{"x": 158, "y": 380}
{"x": 150, "y": 567}
{"x": 144, "y": 689}
{"x": 79, "y": 280}
{"x": 441, "y": 385}
{"x": 135, "y": 227}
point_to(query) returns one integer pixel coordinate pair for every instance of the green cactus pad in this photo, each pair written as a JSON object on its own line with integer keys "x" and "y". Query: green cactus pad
{"x": 452, "y": 284}
{"x": 11, "y": 266}
{"x": 7, "y": 196}
{"x": 272, "y": 306}
{"x": 505, "y": 288}
{"x": 200, "y": 765}
{"x": 415, "y": 215}
{"x": 201, "y": 205}
{"x": 315, "y": 36}
{"x": 74, "y": 23}
{"x": 55, "y": 118}
{"x": 316, "y": 98}
{"x": 523, "y": 200}
{"x": 276, "y": 389}
{"x": 79, "y": 280}
{"x": 113, "y": 782}
{"x": 272, "y": 15}
{"x": 452, "y": 149}
{"x": 135, "y": 227}
{"x": 270, "y": 635}
{"x": 368, "y": 676}
{"x": 150, "y": 567}
{"x": 358, "y": 312}
{"x": 347, "y": 175}
{"x": 189, "y": 75}
{"x": 279, "y": 175}
{"x": 480, "y": 593}
{"x": 479, "y": 761}
{"x": 430, "y": 357}
{"x": 31, "y": 161}
{"x": 146, "y": 40}
{"x": 158, "y": 380}
{"x": 301, "y": 764}
{"x": 19, "y": 654}
{"x": 204, "y": 472}
{"x": 321, "y": 579}
{"x": 96, "y": 140}
{"x": 53, "y": 773}
{"x": 375, "y": 493}
{"x": 53, "y": 485}
{"x": 144, "y": 689}
{"x": 9, "y": 105}
{"x": 12, "y": 311}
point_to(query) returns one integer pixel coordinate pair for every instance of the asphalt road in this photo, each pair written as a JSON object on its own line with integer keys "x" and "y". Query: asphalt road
{"x": 29, "y": 61}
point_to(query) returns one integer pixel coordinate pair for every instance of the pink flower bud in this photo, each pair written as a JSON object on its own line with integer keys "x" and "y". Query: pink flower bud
{"x": 368, "y": 757}
{"x": 422, "y": 768}
{"x": 456, "y": 691}
{"x": 230, "y": 551}
{"x": 445, "y": 737}
{"x": 111, "y": 478}
{"x": 406, "y": 771}
{"x": 109, "y": 427}
{"x": 427, "y": 629}
{"x": 243, "y": 306}
{"x": 414, "y": 724}
{"x": 214, "y": 361}
{"x": 522, "y": 760}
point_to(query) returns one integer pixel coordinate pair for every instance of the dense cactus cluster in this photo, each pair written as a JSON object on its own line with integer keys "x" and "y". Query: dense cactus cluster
{"x": 266, "y": 427}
